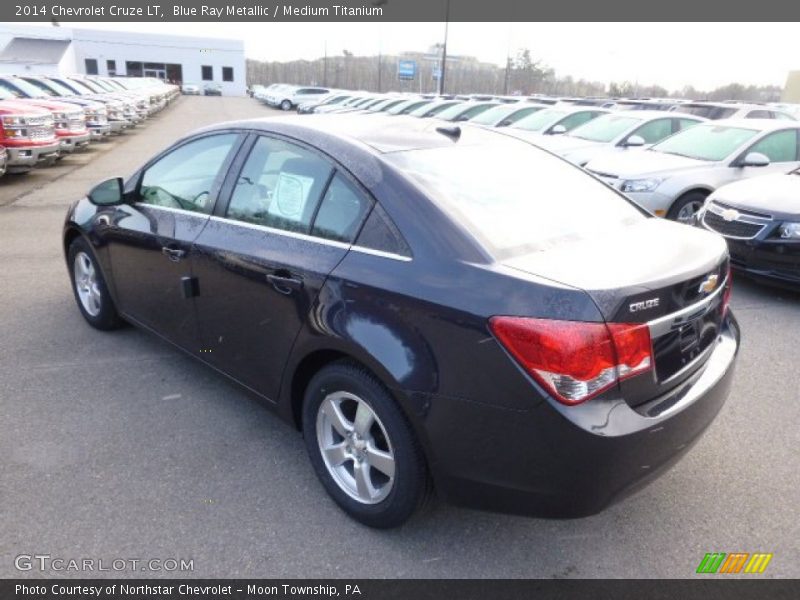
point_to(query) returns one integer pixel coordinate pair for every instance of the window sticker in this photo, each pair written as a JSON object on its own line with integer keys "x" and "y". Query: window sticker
{"x": 290, "y": 196}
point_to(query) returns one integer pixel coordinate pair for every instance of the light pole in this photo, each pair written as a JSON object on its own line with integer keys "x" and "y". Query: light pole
{"x": 444, "y": 47}
{"x": 379, "y": 3}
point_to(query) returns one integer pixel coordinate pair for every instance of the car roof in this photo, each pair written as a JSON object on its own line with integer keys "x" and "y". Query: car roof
{"x": 571, "y": 108}
{"x": 381, "y": 133}
{"x": 759, "y": 124}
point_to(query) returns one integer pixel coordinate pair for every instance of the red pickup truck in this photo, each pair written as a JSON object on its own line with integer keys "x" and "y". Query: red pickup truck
{"x": 28, "y": 134}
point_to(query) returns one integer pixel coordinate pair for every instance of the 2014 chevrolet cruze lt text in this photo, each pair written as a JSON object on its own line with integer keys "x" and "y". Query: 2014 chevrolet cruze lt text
{"x": 433, "y": 306}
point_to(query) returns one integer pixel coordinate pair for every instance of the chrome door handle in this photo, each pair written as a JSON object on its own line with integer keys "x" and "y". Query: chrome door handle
{"x": 284, "y": 283}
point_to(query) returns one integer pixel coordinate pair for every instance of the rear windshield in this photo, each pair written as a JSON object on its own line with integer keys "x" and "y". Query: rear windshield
{"x": 708, "y": 112}
{"x": 513, "y": 197}
{"x": 706, "y": 141}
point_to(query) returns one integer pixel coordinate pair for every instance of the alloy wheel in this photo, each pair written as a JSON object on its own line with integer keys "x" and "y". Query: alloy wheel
{"x": 86, "y": 284}
{"x": 355, "y": 447}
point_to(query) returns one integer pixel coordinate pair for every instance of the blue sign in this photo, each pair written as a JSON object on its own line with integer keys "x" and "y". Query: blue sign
{"x": 406, "y": 69}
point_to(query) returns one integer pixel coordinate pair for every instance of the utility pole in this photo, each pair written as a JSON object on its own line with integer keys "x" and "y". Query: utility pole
{"x": 444, "y": 47}
{"x": 325, "y": 66}
{"x": 380, "y": 31}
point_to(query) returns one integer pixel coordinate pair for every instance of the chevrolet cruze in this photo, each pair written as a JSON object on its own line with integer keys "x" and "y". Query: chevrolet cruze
{"x": 433, "y": 306}
{"x": 675, "y": 176}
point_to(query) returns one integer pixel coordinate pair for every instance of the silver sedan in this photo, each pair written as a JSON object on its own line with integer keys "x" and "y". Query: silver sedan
{"x": 672, "y": 178}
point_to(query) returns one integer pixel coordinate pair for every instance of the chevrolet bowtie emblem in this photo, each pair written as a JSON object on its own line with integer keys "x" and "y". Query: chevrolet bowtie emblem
{"x": 709, "y": 284}
{"x": 730, "y": 214}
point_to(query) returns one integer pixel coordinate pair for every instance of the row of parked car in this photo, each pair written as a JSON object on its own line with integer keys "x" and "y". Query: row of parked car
{"x": 44, "y": 118}
{"x": 687, "y": 161}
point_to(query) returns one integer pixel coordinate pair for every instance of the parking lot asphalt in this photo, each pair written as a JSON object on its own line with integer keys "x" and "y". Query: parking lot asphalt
{"x": 116, "y": 446}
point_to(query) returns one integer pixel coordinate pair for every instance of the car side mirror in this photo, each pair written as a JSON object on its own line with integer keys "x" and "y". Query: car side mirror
{"x": 558, "y": 129}
{"x": 107, "y": 193}
{"x": 504, "y": 123}
{"x": 755, "y": 159}
{"x": 634, "y": 141}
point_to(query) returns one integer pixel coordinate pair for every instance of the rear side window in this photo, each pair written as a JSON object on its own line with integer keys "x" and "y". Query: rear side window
{"x": 780, "y": 146}
{"x": 341, "y": 212}
{"x": 380, "y": 233}
{"x": 280, "y": 186}
{"x": 685, "y": 123}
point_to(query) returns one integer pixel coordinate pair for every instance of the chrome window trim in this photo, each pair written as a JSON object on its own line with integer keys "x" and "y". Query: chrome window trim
{"x": 381, "y": 253}
{"x": 311, "y": 238}
{"x": 283, "y": 232}
{"x": 182, "y": 211}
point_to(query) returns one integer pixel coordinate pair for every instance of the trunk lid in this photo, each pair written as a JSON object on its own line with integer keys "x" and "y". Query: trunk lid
{"x": 651, "y": 271}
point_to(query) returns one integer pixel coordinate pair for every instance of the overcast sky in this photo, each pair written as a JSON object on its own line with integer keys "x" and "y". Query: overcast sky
{"x": 705, "y": 55}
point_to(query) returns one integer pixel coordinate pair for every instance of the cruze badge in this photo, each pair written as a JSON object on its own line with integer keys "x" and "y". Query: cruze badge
{"x": 643, "y": 305}
{"x": 708, "y": 285}
{"x": 730, "y": 214}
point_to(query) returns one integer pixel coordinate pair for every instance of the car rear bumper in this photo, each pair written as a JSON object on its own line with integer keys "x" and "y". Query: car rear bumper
{"x": 539, "y": 462}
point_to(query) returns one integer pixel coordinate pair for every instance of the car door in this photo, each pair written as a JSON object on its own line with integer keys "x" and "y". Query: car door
{"x": 289, "y": 218}
{"x": 149, "y": 237}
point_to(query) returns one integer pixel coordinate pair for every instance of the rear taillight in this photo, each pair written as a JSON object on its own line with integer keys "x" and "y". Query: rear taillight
{"x": 575, "y": 360}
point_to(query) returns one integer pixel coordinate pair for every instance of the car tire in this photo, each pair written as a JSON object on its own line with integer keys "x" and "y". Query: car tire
{"x": 89, "y": 287}
{"x": 286, "y": 105}
{"x": 373, "y": 467}
{"x": 685, "y": 207}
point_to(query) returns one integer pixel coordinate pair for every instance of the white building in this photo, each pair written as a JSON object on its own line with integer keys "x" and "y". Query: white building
{"x": 179, "y": 59}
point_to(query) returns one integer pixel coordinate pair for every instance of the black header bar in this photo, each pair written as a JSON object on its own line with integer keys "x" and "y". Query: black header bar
{"x": 396, "y": 11}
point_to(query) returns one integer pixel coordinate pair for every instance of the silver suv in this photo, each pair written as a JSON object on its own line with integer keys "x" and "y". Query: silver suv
{"x": 672, "y": 178}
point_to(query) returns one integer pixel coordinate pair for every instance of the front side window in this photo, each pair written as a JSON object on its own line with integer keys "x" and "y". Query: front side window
{"x": 184, "y": 178}
{"x": 280, "y": 186}
{"x": 780, "y": 146}
{"x": 207, "y": 73}
{"x": 655, "y": 131}
{"x": 759, "y": 114}
{"x": 706, "y": 142}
